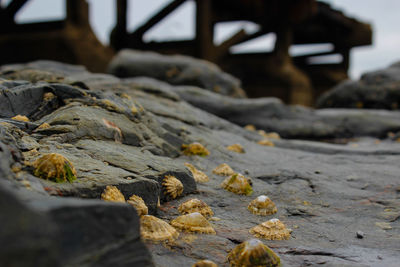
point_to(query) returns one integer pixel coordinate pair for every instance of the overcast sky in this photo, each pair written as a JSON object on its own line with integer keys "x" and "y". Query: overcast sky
{"x": 383, "y": 15}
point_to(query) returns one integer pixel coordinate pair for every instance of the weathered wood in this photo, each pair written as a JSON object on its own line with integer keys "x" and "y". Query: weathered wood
{"x": 204, "y": 30}
{"x": 14, "y": 6}
{"x": 138, "y": 33}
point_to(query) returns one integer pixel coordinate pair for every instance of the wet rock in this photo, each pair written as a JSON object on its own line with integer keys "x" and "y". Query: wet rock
{"x": 270, "y": 114}
{"x": 128, "y": 133}
{"x": 375, "y": 90}
{"x": 175, "y": 70}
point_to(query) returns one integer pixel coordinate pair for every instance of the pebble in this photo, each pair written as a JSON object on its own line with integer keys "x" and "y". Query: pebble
{"x": 360, "y": 234}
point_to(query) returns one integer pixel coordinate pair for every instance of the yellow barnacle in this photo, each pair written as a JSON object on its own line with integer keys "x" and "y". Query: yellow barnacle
{"x": 20, "y": 118}
{"x": 253, "y": 253}
{"x": 273, "y": 229}
{"x": 223, "y": 170}
{"x": 172, "y": 186}
{"x": 198, "y": 175}
{"x": 205, "y": 263}
{"x": 138, "y": 203}
{"x": 193, "y": 222}
{"x": 196, "y": 205}
{"x": 43, "y": 126}
{"x": 237, "y": 184}
{"x": 265, "y": 142}
{"x": 236, "y": 148}
{"x": 54, "y": 167}
{"x": 157, "y": 230}
{"x": 262, "y": 205}
{"x": 195, "y": 149}
{"x": 270, "y": 135}
{"x": 250, "y": 127}
{"x": 111, "y": 193}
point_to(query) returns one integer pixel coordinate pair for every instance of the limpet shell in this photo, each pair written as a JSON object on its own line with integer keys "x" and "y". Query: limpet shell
{"x": 157, "y": 230}
{"x": 138, "y": 203}
{"x": 236, "y": 148}
{"x": 253, "y": 253}
{"x": 20, "y": 118}
{"x": 223, "y": 170}
{"x": 196, "y": 205}
{"x": 270, "y": 135}
{"x": 250, "y": 127}
{"x": 262, "y": 205}
{"x": 265, "y": 142}
{"x": 273, "y": 229}
{"x": 54, "y": 167}
{"x": 205, "y": 263}
{"x": 111, "y": 193}
{"x": 237, "y": 184}
{"x": 172, "y": 186}
{"x": 198, "y": 175}
{"x": 193, "y": 222}
{"x": 195, "y": 149}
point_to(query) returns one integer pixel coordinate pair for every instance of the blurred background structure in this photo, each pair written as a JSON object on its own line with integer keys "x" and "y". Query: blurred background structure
{"x": 296, "y": 78}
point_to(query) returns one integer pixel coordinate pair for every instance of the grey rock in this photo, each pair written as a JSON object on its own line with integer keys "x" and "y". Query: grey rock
{"x": 375, "y": 90}
{"x": 270, "y": 114}
{"x": 176, "y": 69}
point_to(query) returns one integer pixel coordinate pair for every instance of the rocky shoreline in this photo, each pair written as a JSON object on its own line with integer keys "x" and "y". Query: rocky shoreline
{"x": 128, "y": 132}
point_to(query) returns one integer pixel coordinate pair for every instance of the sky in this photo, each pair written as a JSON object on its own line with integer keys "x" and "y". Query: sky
{"x": 383, "y": 15}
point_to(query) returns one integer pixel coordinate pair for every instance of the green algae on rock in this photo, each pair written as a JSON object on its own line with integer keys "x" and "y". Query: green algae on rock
{"x": 253, "y": 253}
{"x": 54, "y": 167}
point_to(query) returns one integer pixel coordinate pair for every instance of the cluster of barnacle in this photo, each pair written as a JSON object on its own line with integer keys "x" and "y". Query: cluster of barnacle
{"x": 111, "y": 193}
{"x": 195, "y": 149}
{"x": 266, "y": 141}
{"x": 54, "y": 167}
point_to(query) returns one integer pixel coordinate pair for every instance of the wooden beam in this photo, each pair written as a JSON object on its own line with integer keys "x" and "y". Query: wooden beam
{"x": 14, "y": 6}
{"x": 204, "y": 30}
{"x": 122, "y": 7}
{"x": 224, "y": 47}
{"x": 138, "y": 33}
{"x": 77, "y": 12}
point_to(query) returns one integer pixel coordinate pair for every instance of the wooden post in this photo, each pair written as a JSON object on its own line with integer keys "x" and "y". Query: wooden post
{"x": 77, "y": 12}
{"x": 204, "y": 30}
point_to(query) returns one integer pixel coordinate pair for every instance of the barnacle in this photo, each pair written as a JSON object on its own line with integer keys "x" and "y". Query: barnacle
{"x": 265, "y": 142}
{"x": 223, "y": 170}
{"x": 172, "y": 186}
{"x": 236, "y": 148}
{"x": 262, "y": 205}
{"x": 54, "y": 167}
{"x": 250, "y": 127}
{"x": 138, "y": 203}
{"x": 20, "y": 118}
{"x": 43, "y": 126}
{"x": 273, "y": 229}
{"x": 205, "y": 263}
{"x": 196, "y": 205}
{"x": 48, "y": 96}
{"x": 195, "y": 149}
{"x": 155, "y": 229}
{"x": 253, "y": 253}
{"x": 270, "y": 135}
{"x": 237, "y": 184}
{"x": 111, "y": 193}
{"x": 193, "y": 222}
{"x": 198, "y": 175}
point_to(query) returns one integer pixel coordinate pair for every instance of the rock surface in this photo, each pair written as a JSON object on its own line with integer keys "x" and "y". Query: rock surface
{"x": 177, "y": 69}
{"x": 375, "y": 90}
{"x": 129, "y": 132}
